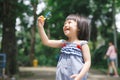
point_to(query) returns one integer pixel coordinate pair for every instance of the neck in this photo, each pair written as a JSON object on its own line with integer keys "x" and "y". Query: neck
{"x": 73, "y": 39}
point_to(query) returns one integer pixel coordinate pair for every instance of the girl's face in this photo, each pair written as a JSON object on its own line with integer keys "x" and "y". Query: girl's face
{"x": 70, "y": 28}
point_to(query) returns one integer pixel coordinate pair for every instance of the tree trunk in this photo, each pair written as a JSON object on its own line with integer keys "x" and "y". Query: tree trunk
{"x": 9, "y": 46}
{"x": 33, "y": 30}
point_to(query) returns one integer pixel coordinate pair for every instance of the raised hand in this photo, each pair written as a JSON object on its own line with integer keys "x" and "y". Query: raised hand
{"x": 41, "y": 21}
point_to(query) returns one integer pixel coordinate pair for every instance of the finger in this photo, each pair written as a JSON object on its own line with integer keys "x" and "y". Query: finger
{"x": 73, "y": 76}
{"x": 41, "y": 18}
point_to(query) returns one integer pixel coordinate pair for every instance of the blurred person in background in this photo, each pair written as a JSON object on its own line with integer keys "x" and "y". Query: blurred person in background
{"x": 111, "y": 54}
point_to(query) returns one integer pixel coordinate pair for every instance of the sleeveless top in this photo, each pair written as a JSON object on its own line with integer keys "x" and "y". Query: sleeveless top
{"x": 70, "y": 61}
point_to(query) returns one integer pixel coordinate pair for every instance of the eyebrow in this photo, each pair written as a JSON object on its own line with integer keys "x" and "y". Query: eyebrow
{"x": 69, "y": 20}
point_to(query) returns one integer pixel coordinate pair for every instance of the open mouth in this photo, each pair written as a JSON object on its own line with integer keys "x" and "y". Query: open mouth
{"x": 66, "y": 29}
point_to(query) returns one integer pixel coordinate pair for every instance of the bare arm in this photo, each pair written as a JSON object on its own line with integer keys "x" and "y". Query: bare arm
{"x": 87, "y": 60}
{"x": 86, "y": 66}
{"x": 44, "y": 38}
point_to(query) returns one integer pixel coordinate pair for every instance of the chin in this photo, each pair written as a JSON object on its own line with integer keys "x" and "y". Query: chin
{"x": 67, "y": 35}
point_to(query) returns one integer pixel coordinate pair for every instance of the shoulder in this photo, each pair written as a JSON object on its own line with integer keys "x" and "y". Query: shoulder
{"x": 83, "y": 42}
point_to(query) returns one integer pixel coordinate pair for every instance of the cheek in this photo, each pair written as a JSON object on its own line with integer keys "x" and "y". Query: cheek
{"x": 75, "y": 30}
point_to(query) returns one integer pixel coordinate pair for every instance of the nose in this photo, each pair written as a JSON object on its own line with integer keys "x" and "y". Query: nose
{"x": 66, "y": 25}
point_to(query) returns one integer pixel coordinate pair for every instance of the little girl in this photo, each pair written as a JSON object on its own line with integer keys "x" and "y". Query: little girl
{"x": 75, "y": 60}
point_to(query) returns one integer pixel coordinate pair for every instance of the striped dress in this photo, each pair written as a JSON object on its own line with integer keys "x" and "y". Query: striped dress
{"x": 70, "y": 61}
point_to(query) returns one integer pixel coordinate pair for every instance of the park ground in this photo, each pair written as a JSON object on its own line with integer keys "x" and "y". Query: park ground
{"x": 48, "y": 73}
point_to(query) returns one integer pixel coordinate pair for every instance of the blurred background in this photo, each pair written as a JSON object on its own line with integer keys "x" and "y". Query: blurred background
{"x": 20, "y": 41}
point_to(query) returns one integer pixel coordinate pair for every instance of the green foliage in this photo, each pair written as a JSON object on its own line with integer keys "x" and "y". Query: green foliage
{"x": 23, "y": 60}
{"x": 60, "y": 10}
{"x": 10, "y": 10}
{"x": 100, "y": 10}
{"x": 46, "y": 55}
{"x": 118, "y": 49}
{"x": 98, "y": 57}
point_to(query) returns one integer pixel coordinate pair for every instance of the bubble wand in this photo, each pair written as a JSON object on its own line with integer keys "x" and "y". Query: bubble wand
{"x": 47, "y": 15}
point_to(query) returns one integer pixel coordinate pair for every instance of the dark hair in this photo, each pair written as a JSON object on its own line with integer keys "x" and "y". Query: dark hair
{"x": 82, "y": 24}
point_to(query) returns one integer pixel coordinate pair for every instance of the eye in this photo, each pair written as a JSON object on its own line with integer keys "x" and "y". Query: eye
{"x": 69, "y": 22}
